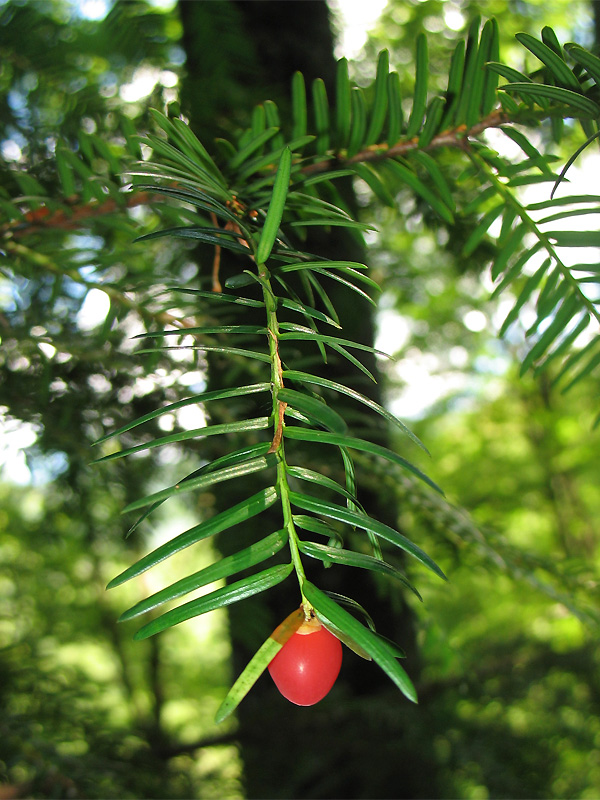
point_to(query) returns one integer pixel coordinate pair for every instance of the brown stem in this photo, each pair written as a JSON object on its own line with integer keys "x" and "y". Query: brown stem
{"x": 216, "y": 283}
{"x": 281, "y": 407}
{"x": 279, "y": 429}
{"x": 456, "y": 137}
{"x": 72, "y": 217}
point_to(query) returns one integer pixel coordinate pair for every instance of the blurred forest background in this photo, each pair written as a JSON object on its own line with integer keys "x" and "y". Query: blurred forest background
{"x": 505, "y": 656}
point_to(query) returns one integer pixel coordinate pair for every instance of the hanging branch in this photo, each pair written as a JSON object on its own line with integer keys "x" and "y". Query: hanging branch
{"x": 78, "y": 212}
{"x": 257, "y": 202}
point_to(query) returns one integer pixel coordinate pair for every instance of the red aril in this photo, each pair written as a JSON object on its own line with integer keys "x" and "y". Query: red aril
{"x": 306, "y": 667}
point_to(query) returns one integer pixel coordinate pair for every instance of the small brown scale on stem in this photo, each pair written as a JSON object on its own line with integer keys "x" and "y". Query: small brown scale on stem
{"x": 238, "y": 208}
{"x": 216, "y": 287}
{"x": 281, "y": 406}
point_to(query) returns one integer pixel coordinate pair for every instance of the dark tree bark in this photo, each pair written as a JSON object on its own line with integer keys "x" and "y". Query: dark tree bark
{"x": 361, "y": 740}
{"x": 596, "y": 13}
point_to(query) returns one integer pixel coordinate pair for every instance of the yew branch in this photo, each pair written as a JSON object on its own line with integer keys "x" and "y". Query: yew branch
{"x": 74, "y": 215}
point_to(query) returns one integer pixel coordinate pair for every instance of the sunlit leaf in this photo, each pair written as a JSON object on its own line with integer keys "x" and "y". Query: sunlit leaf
{"x": 568, "y": 214}
{"x": 433, "y": 121}
{"x": 472, "y": 50}
{"x": 526, "y": 146}
{"x": 395, "y": 115}
{"x": 343, "y": 103}
{"x": 435, "y": 173}
{"x": 553, "y": 292}
{"x": 557, "y": 66}
{"x": 564, "y": 345}
{"x": 350, "y": 558}
{"x": 211, "y": 348}
{"x": 408, "y": 177}
{"x": 235, "y": 515}
{"x": 203, "y": 481}
{"x": 259, "y": 164}
{"x": 294, "y": 334}
{"x": 301, "y": 308}
{"x": 455, "y": 79}
{"x": 259, "y": 662}
{"x": 420, "y": 91}
{"x": 587, "y": 368}
{"x": 196, "y": 399}
{"x": 219, "y": 297}
{"x": 307, "y": 204}
{"x": 378, "y": 111}
{"x": 575, "y": 238}
{"x": 577, "y": 102}
{"x": 379, "y": 650}
{"x": 257, "y": 424}
{"x": 508, "y": 249}
{"x": 563, "y": 315}
{"x": 530, "y": 285}
{"x": 304, "y": 377}
{"x": 189, "y": 166}
{"x": 586, "y": 59}
{"x": 219, "y": 236}
{"x": 374, "y": 182}
{"x": 331, "y": 221}
{"x": 349, "y": 357}
{"x": 477, "y": 84}
{"x": 310, "y": 475}
{"x": 490, "y": 87}
{"x": 313, "y": 407}
{"x": 208, "y": 329}
{"x": 252, "y": 146}
{"x": 235, "y": 457}
{"x": 477, "y": 234}
{"x": 359, "y": 121}
{"x": 276, "y": 206}
{"x": 314, "y": 525}
{"x": 181, "y": 132}
{"x": 230, "y": 565}
{"x": 510, "y": 73}
{"x": 321, "y": 112}
{"x": 240, "y": 590}
{"x": 380, "y": 529}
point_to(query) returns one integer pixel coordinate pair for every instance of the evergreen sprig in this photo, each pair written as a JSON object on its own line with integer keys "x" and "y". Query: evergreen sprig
{"x": 256, "y": 196}
{"x": 260, "y": 224}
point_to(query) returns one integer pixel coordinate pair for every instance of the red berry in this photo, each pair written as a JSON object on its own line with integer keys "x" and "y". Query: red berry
{"x": 306, "y": 667}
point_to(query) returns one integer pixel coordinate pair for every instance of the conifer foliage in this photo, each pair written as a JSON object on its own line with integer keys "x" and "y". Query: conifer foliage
{"x": 256, "y": 195}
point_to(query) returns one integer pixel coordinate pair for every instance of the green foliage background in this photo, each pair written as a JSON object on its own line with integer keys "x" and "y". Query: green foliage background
{"x": 508, "y": 684}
